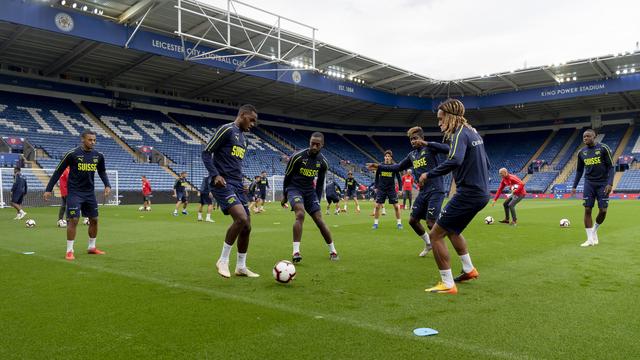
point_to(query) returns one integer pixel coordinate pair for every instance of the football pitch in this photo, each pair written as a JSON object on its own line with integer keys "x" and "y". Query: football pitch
{"x": 156, "y": 293}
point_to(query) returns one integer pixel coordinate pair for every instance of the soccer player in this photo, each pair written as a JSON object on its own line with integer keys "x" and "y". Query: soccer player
{"x": 350, "y": 187}
{"x": 386, "y": 189}
{"x": 251, "y": 193}
{"x": 83, "y": 162}
{"x": 18, "y": 191}
{"x": 205, "y": 198}
{"x": 64, "y": 179}
{"x": 181, "y": 194}
{"x": 146, "y": 194}
{"x": 407, "y": 188}
{"x": 299, "y": 190}
{"x": 222, "y": 156}
{"x": 263, "y": 184}
{"x": 594, "y": 160}
{"x": 469, "y": 163}
{"x": 334, "y": 193}
{"x": 517, "y": 194}
{"x": 422, "y": 158}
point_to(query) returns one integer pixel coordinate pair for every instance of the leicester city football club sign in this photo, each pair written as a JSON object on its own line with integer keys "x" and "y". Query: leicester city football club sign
{"x": 64, "y": 22}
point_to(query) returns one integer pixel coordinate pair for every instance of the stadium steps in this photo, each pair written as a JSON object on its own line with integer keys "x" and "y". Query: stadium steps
{"x": 565, "y": 148}
{"x": 185, "y": 128}
{"x": 376, "y": 144}
{"x": 564, "y": 174}
{"x": 540, "y": 150}
{"x": 104, "y": 126}
{"x": 359, "y": 148}
{"x": 623, "y": 143}
{"x": 278, "y": 139}
{"x": 41, "y": 175}
{"x": 616, "y": 179}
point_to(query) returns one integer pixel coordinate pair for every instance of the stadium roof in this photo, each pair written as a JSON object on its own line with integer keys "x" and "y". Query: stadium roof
{"x": 56, "y": 54}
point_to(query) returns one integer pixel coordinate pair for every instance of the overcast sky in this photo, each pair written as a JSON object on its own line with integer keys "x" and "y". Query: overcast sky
{"x": 461, "y": 38}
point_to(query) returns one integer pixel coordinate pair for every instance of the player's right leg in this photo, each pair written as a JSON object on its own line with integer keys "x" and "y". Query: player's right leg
{"x": 376, "y": 214}
{"x": 296, "y": 200}
{"x": 73, "y": 216}
{"x": 589, "y": 198}
{"x": 505, "y": 205}
{"x": 441, "y": 255}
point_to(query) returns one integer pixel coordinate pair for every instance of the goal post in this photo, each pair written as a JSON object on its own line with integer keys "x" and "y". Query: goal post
{"x": 37, "y": 180}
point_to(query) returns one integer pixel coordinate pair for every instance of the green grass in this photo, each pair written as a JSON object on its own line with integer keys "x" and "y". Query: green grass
{"x": 156, "y": 293}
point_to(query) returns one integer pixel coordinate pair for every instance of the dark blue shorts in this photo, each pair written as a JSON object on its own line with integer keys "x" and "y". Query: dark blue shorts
{"x": 459, "y": 212}
{"x": 333, "y": 199}
{"x": 353, "y": 194}
{"x": 230, "y": 196}
{"x": 593, "y": 192}
{"x": 262, "y": 194}
{"x": 205, "y": 199}
{"x": 82, "y": 203}
{"x": 381, "y": 196}
{"x": 16, "y": 198}
{"x": 427, "y": 205}
{"x": 181, "y": 196}
{"x": 309, "y": 198}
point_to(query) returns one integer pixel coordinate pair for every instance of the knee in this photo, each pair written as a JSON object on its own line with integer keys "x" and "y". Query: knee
{"x": 505, "y": 204}
{"x": 414, "y": 222}
{"x": 300, "y": 216}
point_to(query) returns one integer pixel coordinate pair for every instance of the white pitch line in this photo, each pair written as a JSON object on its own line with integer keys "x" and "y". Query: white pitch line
{"x": 306, "y": 313}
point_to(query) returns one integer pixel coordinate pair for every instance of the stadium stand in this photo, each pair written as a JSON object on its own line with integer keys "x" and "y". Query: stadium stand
{"x": 364, "y": 142}
{"x": 54, "y": 125}
{"x": 629, "y": 182}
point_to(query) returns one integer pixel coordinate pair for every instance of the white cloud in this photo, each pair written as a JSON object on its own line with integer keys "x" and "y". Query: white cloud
{"x": 453, "y": 39}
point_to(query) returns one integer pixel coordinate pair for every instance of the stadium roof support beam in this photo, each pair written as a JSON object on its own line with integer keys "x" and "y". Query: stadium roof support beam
{"x": 469, "y": 86}
{"x": 12, "y": 38}
{"x": 134, "y": 10}
{"x": 337, "y": 61}
{"x": 129, "y": 67}
{"x": 551, "y": 74}
{"x": 65, "y": 62}
{"x": 603, "y": 67}
{"x": 214, "y": 85}
{"x": 391, "y": 79}
{"x": 368, "y": 70}
{"x": 508, "y": 81}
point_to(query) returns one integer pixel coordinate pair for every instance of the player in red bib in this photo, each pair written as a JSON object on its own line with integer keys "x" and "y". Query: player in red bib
{"x": 146, "y": 194}
{"x": 517, "y": 193}
{"x": 407, "y": 189}
{"x": 63, "y": 193}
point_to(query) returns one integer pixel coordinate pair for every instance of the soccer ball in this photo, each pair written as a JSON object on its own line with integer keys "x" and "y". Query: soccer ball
{"x": 85, "y": 221}
{"x": 565, "y": 223}
{"x": 488, "y": 220}
{"x": 30, "y": 223}
{"x": 284, "y": 271}
{"x": 141, "y": 208}
{"x": 62, "y": 223}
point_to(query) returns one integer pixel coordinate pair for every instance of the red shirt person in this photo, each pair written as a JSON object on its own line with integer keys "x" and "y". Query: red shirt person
{"x": 517, "y": 194}
{"x": 64, "y": 191}
{"x": 146, "y": 194}
{"x": 407, "y": 188}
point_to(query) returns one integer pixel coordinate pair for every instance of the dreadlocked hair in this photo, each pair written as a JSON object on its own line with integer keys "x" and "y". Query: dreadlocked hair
{"x": 453, "y": 110}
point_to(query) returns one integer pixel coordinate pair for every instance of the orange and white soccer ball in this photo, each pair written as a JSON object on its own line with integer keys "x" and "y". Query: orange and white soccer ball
{"x": 284, "y": 271}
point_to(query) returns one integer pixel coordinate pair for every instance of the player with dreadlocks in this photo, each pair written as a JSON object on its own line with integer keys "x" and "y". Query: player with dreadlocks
{"x": 468, "y": 161}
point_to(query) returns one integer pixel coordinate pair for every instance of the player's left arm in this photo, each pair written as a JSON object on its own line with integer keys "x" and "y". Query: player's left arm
{"x": 456, "y": 156}
{"x": 102, "y": 172}
{"x": 608, "y": 161}
{"x": 321, "y": 176}
{"x": 25, "y": 185}
{"x": 438, "y": 147}
{"x": 399, "y": 179}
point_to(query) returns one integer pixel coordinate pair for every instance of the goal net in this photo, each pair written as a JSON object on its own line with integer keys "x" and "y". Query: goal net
{"x": 37, "y": 180}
